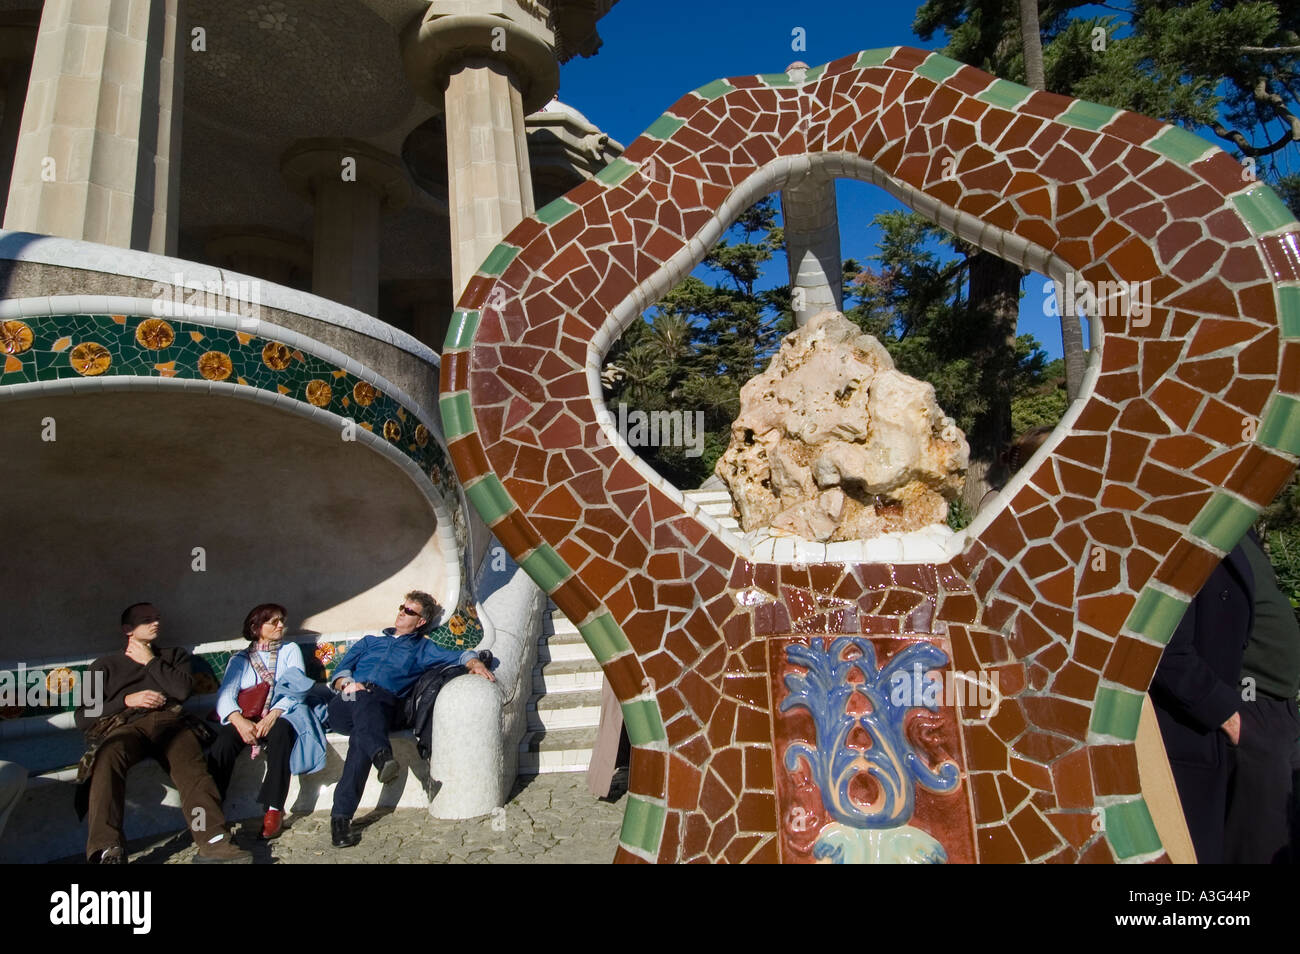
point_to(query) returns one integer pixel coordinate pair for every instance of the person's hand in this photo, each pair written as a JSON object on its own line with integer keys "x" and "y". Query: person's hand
{"x": 352, "y": 688}
{"x": 244, "y": 726}
{"x": 268, "y": 720}
{"x": 141, "y": 652}
{"x": 145, "y": 699}
{"x": 477, "y": 668}
{"x": 1232, "y": 728}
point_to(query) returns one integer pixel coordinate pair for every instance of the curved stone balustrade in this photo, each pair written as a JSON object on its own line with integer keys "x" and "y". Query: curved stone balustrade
{"x": 1061, "y": 598}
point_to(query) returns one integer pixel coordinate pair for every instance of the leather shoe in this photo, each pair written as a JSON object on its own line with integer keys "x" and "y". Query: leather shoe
{"x": 110, "y": 856}
{"x": 224, "y": 851}
{"x": 386, "y": 765}
{"x": 341, "y": 833}
{"x": 272, "y": 823}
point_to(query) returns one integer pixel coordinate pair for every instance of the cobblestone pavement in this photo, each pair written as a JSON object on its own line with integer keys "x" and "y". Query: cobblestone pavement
{"x": 550, "y": 819}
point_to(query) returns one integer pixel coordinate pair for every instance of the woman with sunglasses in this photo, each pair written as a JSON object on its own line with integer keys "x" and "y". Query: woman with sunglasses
{"x": 251, "y": 705}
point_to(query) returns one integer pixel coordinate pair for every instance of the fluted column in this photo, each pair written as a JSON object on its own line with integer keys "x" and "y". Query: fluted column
{"x": 488, "y": 73}
{"x": 98, "y": 153}
{"x": 349, "y": 184}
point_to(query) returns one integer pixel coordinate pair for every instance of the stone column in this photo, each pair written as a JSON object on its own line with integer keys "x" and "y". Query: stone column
{"x": 349, "y": 183}
{"x": 812, "y": 242}
{"x": 488, "y": 72}
{"x": 98, "y": 154}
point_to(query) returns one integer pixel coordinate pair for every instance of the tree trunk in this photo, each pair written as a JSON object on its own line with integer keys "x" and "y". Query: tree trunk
{"x": 995, "y": 293}
{"x": 1032, "y": 40}
{"x": 1076, "y": 361}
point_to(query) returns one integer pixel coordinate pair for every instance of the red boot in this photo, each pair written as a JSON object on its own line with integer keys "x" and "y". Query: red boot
{"x": 271, "y": 823}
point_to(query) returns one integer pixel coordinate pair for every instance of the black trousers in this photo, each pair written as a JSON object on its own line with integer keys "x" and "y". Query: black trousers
{"x": 278, "y": 745}
{"x": 365, "y": 718}
{"x": 1260, "y": 788}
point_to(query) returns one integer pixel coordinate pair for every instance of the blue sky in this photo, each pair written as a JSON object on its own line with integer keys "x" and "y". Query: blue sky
{"x": 655, "y": 52}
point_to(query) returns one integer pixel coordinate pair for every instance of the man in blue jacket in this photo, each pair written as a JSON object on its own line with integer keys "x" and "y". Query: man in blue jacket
{"x": 370, "y": 680}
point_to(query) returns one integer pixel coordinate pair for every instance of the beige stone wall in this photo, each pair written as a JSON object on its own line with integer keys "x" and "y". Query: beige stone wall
{"x": 99, "y": 143}
{"x": 110, "y": 512}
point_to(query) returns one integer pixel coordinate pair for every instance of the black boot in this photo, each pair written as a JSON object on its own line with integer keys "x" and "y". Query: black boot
{"x": 341, "y": 833}
{"x": 386, "y": 765}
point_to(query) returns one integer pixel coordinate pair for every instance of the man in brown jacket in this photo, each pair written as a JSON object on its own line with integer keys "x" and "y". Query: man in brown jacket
{"x": 142, "y": 717}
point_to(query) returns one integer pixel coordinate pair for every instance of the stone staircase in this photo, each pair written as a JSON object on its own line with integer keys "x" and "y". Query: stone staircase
{"x": 565, "y": 710}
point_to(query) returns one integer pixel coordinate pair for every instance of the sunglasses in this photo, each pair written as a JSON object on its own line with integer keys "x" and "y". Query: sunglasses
{"x": 407, "y": 612}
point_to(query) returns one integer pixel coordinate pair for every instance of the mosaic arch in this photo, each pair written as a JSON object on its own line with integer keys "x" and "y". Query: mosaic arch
{"x": 754, "y": 692}
{"x": 244, "y": 358}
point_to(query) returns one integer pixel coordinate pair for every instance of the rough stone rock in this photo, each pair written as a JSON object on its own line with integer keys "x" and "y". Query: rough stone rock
{"x": 833, "y": 443}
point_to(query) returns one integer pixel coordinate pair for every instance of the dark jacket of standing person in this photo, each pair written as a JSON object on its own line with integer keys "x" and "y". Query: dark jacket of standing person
{"x": 1195, "y": 691}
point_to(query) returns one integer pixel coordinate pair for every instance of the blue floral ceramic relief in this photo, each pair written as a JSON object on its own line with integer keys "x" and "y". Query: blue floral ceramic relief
{"x": 877, "y": 832}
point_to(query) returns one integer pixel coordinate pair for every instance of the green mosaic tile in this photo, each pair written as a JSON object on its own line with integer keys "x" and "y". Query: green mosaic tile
{"x": 1130, "y": 830}
{"x": 1115, "y": 713}
{"x": 1288, "y": 310}
{"x": 462, "y": 630}
{"x": 176, "y": 348}
{"x": 815, "y": 73}
{"x": 938, "y": 68}
{"x": 641, "y": 717}
{"x": 1179, "y": 145}
{"x": 552, "y": 213}
{"x": 460, "y": 334}
{"x": 1088, "y": 115}
{"x": 777, "y": 80}
{"x": 1263, "y": 210}
{"x": 643, "y": 825}
{"x": 1280, "y": 427}
{"x": 665, "y": 126}
{"x": 876, "y": 57}
{"x": 457, "y": 415}
{"x": 489, "y": 498}
{"x": 616, "y": 172}
{"x": 546, "y": 567}
{"x": 1005, "y": 94}
{"x": 498, "y": 259}
{"x": 1155, "y": 615}
{"x": 719, "y": 87}
{"x": 1223, "y": 521}
{"x": 605, "y": 637}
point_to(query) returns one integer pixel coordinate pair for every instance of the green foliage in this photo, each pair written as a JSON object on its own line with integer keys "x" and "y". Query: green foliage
{"x": 695, "y": 350}
{"x": 1279, "y": 528}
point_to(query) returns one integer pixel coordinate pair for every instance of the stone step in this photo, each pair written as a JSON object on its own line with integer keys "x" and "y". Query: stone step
{"x": 563, "y": 710}
{"x": 553, "y": 740}
{"x": 548, "y": 652}
{"x": 544, "y": 763}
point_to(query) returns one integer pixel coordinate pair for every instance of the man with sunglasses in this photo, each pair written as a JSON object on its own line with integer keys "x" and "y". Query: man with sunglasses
{"x": 370, "y": 680}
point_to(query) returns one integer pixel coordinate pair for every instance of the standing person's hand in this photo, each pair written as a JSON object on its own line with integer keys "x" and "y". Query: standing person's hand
{"x": 352, "y": 688}
{"x": 1232, "y": 728}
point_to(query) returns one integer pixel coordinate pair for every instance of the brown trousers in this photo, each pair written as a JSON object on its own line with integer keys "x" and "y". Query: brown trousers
{"x": 163, "y": 736}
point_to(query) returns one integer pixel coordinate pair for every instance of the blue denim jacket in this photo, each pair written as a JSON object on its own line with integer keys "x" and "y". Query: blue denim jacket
{"x": 395, "y": 662}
